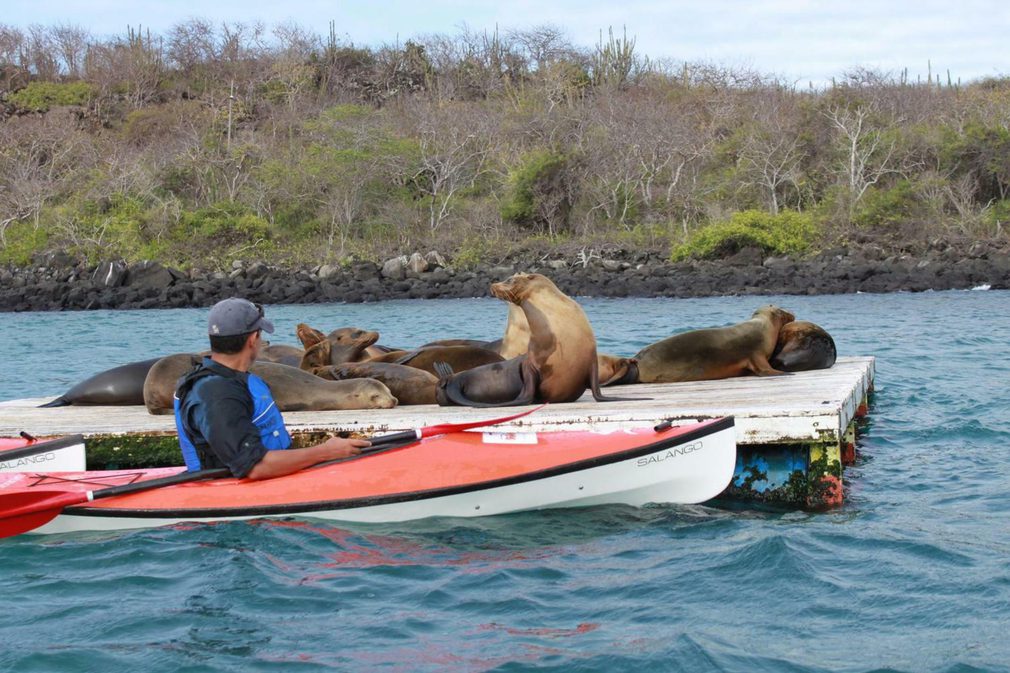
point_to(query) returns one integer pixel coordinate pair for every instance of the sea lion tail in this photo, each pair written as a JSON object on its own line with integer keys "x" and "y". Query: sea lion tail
{"x": 58, "y": 402}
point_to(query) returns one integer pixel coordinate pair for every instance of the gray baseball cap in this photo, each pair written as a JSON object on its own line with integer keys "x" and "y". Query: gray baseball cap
{"x": 234, "y": 316}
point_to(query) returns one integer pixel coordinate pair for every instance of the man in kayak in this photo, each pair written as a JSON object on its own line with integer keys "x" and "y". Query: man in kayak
{"x": 226, "y": 416}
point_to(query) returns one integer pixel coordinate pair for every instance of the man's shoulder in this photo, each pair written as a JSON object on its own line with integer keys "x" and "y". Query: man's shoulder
{"x": 218, "y": 386}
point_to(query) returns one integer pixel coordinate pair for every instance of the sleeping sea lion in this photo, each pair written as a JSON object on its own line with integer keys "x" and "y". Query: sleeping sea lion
{"x": 292, "y": 389}
{"x": 803, "y": 346}
{"x": 473, "y": 343}
{"x": 560, "y": 362}
{"x": 460, "y": 358}
{"x": 717, "y": 352}
{"x": 119, "y": 386}
{"x": 408, "y": 384}
{"x": 282, "y": 353}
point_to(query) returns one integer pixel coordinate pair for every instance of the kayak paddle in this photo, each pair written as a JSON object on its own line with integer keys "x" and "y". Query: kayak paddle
{"x": 443, "y": 428}
{"x": 27, "y": 510}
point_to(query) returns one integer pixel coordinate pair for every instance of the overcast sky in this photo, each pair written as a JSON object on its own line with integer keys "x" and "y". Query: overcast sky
{"x": 799, "y": 40}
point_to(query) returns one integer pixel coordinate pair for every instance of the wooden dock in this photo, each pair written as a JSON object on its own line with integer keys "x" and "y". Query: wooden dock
{"x": 804, "y": 418}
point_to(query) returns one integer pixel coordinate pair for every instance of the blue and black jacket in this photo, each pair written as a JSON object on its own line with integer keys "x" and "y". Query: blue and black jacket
{"x": 226, "y": 418}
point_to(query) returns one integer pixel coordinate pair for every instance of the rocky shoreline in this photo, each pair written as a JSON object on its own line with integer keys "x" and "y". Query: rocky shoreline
{"x": 57, "y": 282}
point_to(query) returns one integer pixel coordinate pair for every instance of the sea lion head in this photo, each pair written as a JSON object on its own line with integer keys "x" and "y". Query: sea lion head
{"x": 614, "y": 370}
{"x": 352, "y": 336}
{"x": 803, "y": 346}
{"x": 777, "y": 316}
{"x": 520, "y": 286}
{"x": 374, "y": 394}
{"x": 316, "y": 356}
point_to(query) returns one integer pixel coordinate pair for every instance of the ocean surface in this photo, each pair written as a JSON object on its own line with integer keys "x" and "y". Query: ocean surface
{"x": 911, "y": 574}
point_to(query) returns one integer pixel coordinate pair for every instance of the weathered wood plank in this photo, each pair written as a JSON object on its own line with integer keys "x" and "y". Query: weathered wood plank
{"x": 802, "y": 407}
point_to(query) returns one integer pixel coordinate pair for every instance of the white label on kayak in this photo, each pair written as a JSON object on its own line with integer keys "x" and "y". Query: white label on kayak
{"x": 509, "y": 437}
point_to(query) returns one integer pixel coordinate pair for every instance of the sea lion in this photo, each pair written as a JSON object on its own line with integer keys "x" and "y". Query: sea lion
{"x": 350, "y": 347}
{"x": 460, "y": 358}
{"x": 509, "y": 383}
{"x": 517, "y": 334}
{"x": 119, "y": 386}
{"x": 282, "y": 353}
{"x": 292, "y": 389}
{"x": 342, "y": 337}
{"x": 717, "y": 352}
{"x": 560, "y": 362}
{"x": 614, "y": 370}
{"x": 803, "y": 346}
{"x": 408, "y": 384}
{"x": 473, "y": 343}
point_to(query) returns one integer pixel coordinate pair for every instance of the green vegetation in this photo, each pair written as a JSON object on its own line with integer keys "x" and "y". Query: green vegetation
{"x": 40, "y": 96}
{"x": 207, "y": 145}
{"x": 537, "y": 192}
{"x": 788, "y": 233}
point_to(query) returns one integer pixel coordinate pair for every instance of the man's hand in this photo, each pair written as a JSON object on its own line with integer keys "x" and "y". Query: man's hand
{"x": 339, "y": 447}
{"x": 279, "y": 463}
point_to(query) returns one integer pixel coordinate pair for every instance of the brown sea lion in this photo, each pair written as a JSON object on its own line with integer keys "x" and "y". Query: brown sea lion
{"x": 717, "y": 352}
{"x": 343, "y": 336}
{"x": 282, "y": 353}
{"x": 119, "y": 386}
{"x": 408, "y": 384}
{"x": 803, "y": 346}
{"x": 560, "y": 363}
{"x": 614, "y": 370}
{"x": 347, "y": 348}
{"x": 309, "y": 336}
{"x": 473, "y": 343}
{"x": 460, "y": 358}
{"x": 292, "y": 388}
{"x": 517, "y": 334}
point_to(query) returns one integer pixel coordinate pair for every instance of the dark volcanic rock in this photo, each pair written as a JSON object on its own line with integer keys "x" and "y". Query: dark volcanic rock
{"x": 56, "y": 281}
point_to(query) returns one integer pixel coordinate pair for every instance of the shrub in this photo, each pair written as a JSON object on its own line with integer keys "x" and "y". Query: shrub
{"x": 40, "y": 96}
{"x": 540, "y": 192}
{"x": 788, "y": 232}
{"x": 222, "y": 224}
{"x": 997, "y": 215}
{"x": 887, "y": 207}
{"x": 21, "y": 241}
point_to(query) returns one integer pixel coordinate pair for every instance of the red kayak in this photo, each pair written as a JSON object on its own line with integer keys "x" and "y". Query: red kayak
{"x": 455, "y": 474}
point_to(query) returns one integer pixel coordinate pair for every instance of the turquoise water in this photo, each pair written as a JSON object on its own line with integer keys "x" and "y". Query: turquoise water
{"x": 912, "y": 574}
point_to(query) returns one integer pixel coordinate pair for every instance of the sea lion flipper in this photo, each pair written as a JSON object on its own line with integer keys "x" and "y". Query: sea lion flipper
{"x": 443, "y": 370}
{"x": 594, "y": 386}
{"x": 58, "y": 402}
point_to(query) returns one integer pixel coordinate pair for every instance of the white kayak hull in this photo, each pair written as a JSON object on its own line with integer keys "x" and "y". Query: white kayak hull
{"x": 59, "y": 455}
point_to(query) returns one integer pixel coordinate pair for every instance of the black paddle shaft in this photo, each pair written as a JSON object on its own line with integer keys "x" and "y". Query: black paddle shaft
{"x": 172, "y": 480}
